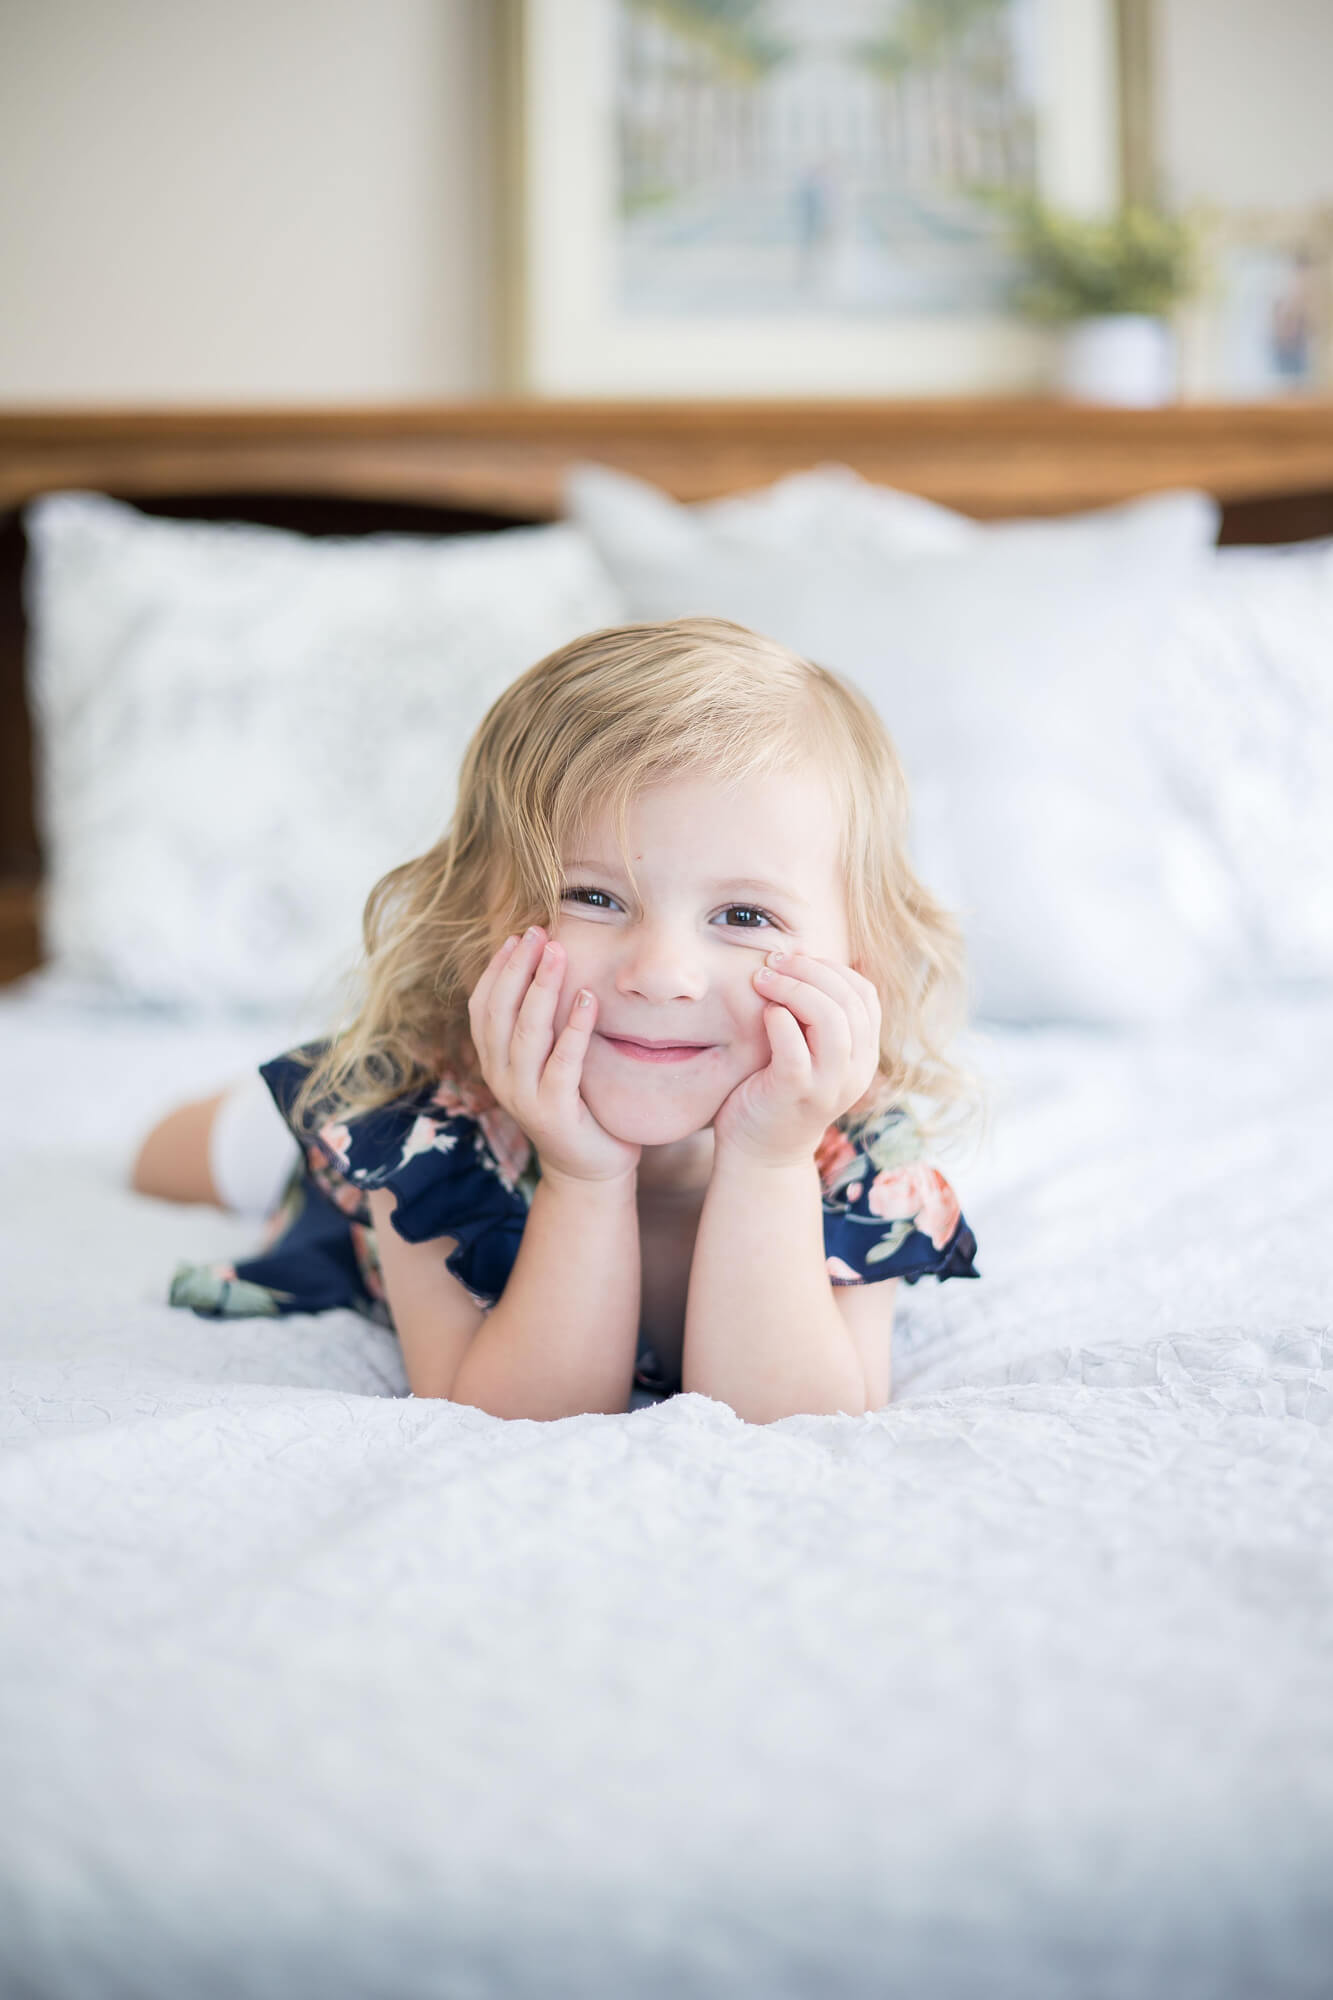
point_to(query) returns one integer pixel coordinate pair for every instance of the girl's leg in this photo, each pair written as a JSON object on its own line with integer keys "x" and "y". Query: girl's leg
{"x": 234, "y": 1149}
{"x": 173, "y": 1160}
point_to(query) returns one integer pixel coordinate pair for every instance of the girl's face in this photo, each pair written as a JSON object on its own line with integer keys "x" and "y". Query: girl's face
{"x": 725, "y": 876}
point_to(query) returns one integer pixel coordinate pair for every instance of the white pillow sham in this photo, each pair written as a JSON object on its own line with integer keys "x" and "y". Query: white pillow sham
{"x": 1010, "y": 670}
{"x": 239, "y": 729}
{"x": 1238, "y": 707}
{"x": 1243, "y": 721}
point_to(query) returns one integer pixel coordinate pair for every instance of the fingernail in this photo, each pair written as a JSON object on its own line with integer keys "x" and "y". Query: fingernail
{"x": 548, "y": 956}
{"x": 508, "y": 945}
{"x": 777, "y": 958}
{"x": 584, "y": 999}
{"x": 532, "y": 933}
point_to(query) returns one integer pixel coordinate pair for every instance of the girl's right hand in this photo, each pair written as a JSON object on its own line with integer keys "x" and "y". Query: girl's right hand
{"x": 512, "y": 1011}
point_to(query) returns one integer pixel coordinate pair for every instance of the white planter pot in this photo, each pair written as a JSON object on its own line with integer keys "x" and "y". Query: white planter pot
{"x": 1123, "y": 358}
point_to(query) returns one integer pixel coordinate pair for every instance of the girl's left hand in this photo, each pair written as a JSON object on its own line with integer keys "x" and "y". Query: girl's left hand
{"x": 823, "y": 1024}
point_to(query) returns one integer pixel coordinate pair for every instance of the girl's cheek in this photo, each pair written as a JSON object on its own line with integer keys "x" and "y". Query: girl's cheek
{"x": 751, "y": 1047}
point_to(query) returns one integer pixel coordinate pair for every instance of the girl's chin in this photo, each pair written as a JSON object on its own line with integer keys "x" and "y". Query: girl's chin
{"x": 653, "y": 1120}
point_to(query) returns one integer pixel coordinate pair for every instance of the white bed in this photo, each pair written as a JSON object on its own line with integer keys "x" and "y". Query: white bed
{"x": 1017, "y": 1687}
{"x": 1020, "y": 1686}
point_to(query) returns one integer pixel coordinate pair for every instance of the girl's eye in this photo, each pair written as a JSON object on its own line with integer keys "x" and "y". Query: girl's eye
{"x": 586, "y": 896}
{"x": 751, "y": 917}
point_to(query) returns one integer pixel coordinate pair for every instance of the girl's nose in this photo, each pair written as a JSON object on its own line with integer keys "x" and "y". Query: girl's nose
{"x": 660, "y": 965}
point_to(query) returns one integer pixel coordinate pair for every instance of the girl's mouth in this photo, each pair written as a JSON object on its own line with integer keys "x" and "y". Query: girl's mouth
{"x": 658, "y": 1051}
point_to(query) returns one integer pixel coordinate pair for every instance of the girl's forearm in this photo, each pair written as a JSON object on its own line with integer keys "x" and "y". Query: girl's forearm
{"x": 762, "y": 1332}
{"x": 563, "y": 1336}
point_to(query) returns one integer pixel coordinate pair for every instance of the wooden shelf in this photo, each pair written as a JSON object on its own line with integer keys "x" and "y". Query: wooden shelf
{"x": 986, "y": 456}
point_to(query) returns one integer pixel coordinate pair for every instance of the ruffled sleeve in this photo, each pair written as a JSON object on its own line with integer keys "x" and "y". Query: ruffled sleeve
{"x": 457, "y": 1163}
{"x": 887, "y": 1213}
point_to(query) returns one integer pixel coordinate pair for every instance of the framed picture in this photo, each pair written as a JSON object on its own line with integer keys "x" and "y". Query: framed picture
{"x": 1262, "y": 324}
{"x": 768, "y": 197}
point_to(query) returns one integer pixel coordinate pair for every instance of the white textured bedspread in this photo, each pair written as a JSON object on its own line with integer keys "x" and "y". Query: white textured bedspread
{"x": 1023, "y": 1686}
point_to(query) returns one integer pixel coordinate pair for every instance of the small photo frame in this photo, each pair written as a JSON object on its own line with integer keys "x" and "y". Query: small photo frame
{"x": 1261, "y": 327}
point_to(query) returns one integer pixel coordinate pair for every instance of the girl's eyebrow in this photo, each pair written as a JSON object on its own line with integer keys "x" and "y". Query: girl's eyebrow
{"x": 749, "y": 885}
{"x": 755, "y": 885}
{"x": 594, "y": 867}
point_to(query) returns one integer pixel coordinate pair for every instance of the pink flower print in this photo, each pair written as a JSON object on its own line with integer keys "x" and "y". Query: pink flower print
{"x": 509, "y": 1143}
{"x": 330, "y": 1182}
{"x": 854, "y": 1191}
{"x": 834, "y": 1152}
{"x": 843, "y": 1273}
{"x": 917, "y": 1194}
{"x": 336, "y": 1140}
{"x": 456, "y": 1094}
{"x": 426, "y": 1136}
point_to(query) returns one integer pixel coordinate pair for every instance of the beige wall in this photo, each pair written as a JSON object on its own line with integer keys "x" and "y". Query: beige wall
{"x": 242, "y": 200}
{"x": 288, "y": 200}
{"x": 1245, "y": 101}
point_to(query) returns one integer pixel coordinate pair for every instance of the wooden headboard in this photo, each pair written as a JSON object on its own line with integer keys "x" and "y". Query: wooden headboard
{"x": 477, "y": 466}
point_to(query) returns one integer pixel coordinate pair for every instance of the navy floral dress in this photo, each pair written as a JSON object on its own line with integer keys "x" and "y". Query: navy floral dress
{"x": 462, "y": 1168}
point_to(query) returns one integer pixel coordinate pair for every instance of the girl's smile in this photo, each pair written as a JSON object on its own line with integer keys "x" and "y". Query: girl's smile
{"x": 659, "y": 1051}
{"x": 725, "y": 874}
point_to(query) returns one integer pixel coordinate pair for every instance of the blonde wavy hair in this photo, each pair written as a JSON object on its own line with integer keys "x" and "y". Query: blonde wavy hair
{"x": 585, "y": 730}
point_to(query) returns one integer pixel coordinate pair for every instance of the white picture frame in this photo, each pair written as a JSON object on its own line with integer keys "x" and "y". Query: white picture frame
{"x": 569, "y": 335}
{"x": 1260, "y": 327}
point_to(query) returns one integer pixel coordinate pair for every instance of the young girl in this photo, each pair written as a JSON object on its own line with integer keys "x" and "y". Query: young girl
{"x": 623, "y": 1104}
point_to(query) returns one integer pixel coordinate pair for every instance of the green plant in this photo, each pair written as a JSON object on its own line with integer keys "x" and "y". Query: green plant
{"x": 1137, "y": 261}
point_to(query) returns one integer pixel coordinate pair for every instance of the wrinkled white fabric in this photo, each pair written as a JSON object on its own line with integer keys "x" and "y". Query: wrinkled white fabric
{"x": 1018, "y": 1687}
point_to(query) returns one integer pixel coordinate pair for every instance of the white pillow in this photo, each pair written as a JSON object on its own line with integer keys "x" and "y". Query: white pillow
{"x": 238, "y": 730}
{"x": 1010, "y": 672}
{"x": 1240, "y": 703}
{"x": 1243, "y": 720}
